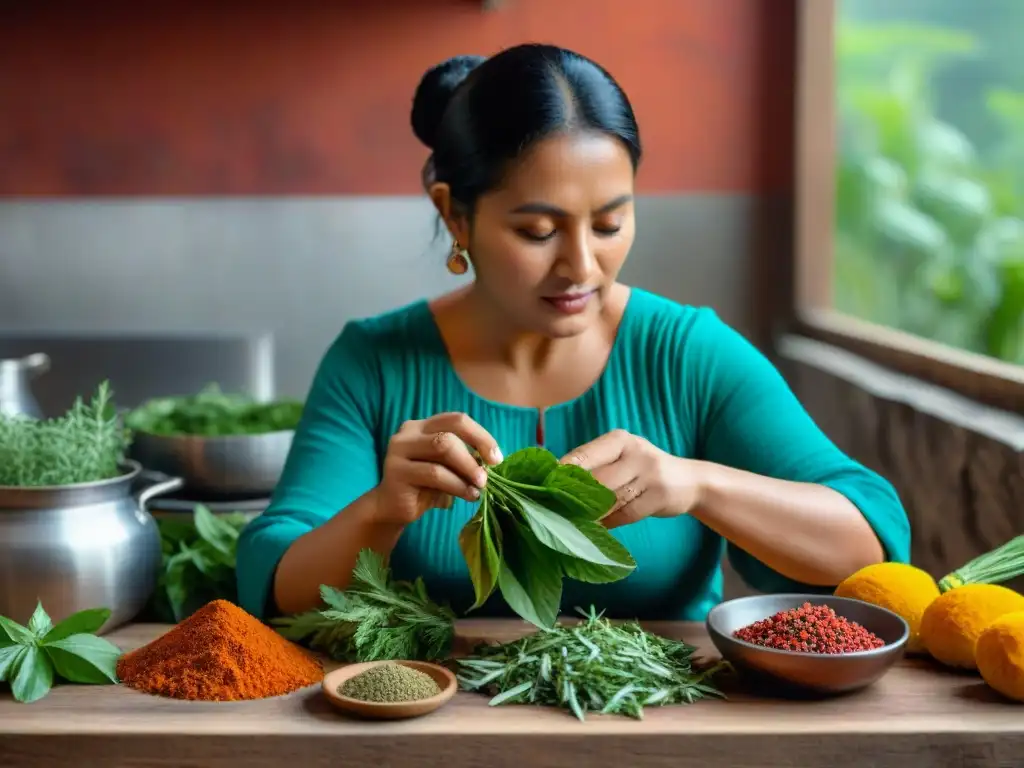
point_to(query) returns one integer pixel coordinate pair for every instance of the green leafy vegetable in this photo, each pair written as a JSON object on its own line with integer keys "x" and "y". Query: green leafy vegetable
{"x": 31, "y": 657}
{"x": 198, "y": 563}
{"x": 213, "y": 413}
{"x": 375, "y": 618}
{"x": 595, "y": 666}
{"x": 85, "y": 445}
{"x": 538, "y": 522}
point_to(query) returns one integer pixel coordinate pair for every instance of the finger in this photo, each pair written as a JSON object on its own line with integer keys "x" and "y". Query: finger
{"x": 436, "y": 477}
{"x": 469, "y": 432}
{"x": 631, "y": 512}
{"x": 617, "y": 474}
{"x": 447, "y": 449}
{"x": 597, "y": 453}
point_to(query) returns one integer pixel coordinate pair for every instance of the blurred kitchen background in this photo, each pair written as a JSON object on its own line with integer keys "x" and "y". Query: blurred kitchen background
{"x": 207, "y": 192}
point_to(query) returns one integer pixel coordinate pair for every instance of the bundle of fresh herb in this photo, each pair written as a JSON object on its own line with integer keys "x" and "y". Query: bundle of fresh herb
{"x": 538, "y": 522}
{"x": 595, "y": 666}
{"x": 30, "y": 657}
{"x": 198, "y": 563}
{"x": 375, "y": 618}
{"x": 211, "y": 412}
{"x": 85, "y": 445}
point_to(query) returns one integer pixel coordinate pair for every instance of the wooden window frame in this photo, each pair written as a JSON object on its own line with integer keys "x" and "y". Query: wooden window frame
{"x": 977, "y": 376}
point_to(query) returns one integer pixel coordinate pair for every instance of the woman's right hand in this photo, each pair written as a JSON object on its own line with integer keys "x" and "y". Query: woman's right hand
{"x": 428, "y": 462}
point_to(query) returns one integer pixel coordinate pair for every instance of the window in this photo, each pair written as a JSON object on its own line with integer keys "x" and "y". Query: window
{"x": 911, "y": 187}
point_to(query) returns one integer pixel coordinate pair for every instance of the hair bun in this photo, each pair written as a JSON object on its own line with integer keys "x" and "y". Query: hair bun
{"x": 435, "y": 91}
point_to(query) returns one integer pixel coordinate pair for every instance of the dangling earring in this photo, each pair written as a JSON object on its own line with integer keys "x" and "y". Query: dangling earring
{"x": 458, "y": 259}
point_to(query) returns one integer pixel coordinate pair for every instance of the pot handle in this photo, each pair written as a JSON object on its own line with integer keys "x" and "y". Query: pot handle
{"x": 156, "y": 484}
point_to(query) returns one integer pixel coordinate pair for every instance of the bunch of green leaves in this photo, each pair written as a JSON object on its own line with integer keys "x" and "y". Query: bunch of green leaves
{"x": 375, "y": 618}
{"x": 198, "y": 563}
{"x": 595, "y": 666}
{"x": 211, "y": 413}
{"x": 538, "y": 521}
{"x": 31, "y": 657}
{"x": 85, "y": 445}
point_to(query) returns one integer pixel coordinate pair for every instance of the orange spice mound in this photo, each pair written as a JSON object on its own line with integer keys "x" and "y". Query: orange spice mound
{"x": 219, "y": 653}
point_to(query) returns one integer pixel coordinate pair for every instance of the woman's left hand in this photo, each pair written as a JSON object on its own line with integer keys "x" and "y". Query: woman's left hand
{"x": 647, "y": 481}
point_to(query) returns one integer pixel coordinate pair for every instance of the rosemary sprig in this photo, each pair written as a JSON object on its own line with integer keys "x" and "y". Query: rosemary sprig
{"x": 595, "y": 666}
{"x": 84, "y": 445}
{"x": 375, "y": 619}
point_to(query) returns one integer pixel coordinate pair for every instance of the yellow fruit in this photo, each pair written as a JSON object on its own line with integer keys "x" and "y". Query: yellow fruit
{"x": 1000, "y": 655}
{"x": 953, "y": 622}
{"x": 901, "y": 588}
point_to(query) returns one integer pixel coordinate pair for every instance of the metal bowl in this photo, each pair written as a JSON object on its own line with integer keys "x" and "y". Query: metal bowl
{"x": 797, "y": 672}
{"x": 232, "y": 465}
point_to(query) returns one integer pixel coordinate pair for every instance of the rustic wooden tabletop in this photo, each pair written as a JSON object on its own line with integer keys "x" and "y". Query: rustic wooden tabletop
{"x": 916, "y": 716}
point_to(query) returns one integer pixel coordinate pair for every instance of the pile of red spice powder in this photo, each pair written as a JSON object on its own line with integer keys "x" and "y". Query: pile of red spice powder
{"x": 812, "y": 629}
{"x": 219, "y": 653}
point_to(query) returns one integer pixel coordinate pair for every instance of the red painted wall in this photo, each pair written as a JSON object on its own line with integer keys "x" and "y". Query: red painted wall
{"x": 291, "y": 98}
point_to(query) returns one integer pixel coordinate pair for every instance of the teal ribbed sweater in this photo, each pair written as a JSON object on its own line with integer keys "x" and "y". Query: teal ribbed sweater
{"x": 677, "y": 376}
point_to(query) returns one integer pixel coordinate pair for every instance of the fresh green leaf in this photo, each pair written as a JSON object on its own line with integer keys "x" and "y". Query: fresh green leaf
{"x": 39, "y": 623}
{"x": 578, "y": 487}
{"x": 476, "y": 549}
{"x": 10, "y": 657}
{"x": 85, "y": 658}
{"x": 14, "y": 632}
{"x": 529, "y": 466}
{"x": 530, "y": 582}
{"x": 89, "y": 621}
{"x": 33, "y": 677}
{"x": 221, "y": 535}
{"x": 592, "y": 573}
{"x": 557, "y": 533}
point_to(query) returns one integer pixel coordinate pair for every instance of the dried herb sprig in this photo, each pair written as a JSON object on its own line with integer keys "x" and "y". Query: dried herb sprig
{"x": 375, "y": 618}
{"x": 595, "y": 666}
{"x": 86, "y": 444}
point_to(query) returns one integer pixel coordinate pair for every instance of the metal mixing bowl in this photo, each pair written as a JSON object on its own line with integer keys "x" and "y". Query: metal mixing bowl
{"x": 803, "y": 672}
{"x": 244, "y": 466}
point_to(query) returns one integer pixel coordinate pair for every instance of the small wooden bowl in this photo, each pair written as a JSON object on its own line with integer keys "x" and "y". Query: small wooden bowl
{"x": 391, "y": 710}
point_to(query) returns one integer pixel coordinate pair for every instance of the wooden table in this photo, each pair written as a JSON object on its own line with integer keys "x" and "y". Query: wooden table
{"x": 916, "y": 716}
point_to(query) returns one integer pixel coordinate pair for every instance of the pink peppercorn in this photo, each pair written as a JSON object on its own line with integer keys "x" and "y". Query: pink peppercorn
{"x": 811, "y": 629}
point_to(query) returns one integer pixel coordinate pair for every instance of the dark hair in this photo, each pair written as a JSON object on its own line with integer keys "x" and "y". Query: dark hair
{"x": 478, "y": 114}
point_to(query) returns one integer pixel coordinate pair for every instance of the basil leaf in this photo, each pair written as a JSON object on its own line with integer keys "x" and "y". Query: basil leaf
{"x": 85, "y": 658}
{"x": 592, "y": 573}
{"x": 579, "y": 488}
{"x": 214, "y": 531}
{"x": 39, "y": 624}
{"x": 529, "y": 580}
{"x": 34, "y": 676}
{"x": 528, "y": 466}
{"x": 560, "y": 534}
{"x": 10, "y": 655}
{"x": 480, "y": 556}
{"x": 14, "y": 632}
{"x": 88, "y": 621}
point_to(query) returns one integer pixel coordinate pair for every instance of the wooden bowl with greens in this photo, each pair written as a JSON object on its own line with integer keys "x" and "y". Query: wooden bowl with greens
{"x": 221, "y": 444}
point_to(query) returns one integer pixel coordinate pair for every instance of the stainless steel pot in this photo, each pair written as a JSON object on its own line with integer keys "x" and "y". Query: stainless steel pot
{"x": 232, "y": 465}
{"x": 16, "y": 398}
{"x": 88, "y": 545}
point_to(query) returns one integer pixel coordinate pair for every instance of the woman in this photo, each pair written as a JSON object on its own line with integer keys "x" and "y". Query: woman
{"x": 532, "y": 172}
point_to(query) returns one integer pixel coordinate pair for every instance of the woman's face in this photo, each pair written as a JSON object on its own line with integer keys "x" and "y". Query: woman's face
{"x": 549, "y": 242}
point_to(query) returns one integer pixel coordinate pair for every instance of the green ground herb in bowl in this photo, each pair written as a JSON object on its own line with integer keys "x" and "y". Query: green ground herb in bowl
{"x": 87, "y": 444}
{"x": 213, "y": 413}
{"x": 390, "y": 683}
